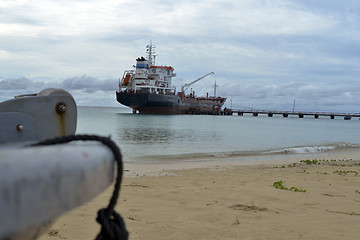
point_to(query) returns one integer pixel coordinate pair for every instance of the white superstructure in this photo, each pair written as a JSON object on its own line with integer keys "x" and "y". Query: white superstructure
{"x": 147, "y": 77}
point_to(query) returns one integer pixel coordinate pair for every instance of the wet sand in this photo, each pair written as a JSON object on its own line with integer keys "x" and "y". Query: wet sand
{"x": 232, "y": 198}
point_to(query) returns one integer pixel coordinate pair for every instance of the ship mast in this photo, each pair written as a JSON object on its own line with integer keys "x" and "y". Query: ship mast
{"x": 215, "y": 88}
{"x": 151, "y": 53}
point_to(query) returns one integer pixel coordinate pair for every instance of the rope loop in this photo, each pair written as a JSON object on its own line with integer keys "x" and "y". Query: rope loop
{"x": 112, "y": 224}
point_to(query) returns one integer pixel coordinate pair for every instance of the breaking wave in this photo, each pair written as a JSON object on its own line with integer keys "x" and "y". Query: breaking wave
{"x": 199, "y": 156}
{"x": 315, "y": 149}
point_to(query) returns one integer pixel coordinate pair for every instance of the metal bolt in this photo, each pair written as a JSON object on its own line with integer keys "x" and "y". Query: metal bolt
{"x": 61, "y": 108}
{"x": 19, "y": 127}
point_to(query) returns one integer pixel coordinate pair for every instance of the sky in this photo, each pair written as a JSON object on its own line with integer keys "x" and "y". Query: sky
{"x": 265, "y": 53}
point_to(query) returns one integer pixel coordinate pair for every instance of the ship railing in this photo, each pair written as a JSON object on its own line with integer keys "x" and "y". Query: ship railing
{"x": 146, "y": 89}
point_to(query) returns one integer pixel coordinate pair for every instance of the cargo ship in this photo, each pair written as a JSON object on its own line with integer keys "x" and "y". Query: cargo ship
{"x": 147, "y": 89}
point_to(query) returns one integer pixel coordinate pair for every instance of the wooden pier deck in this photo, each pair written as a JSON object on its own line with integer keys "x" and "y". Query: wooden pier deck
{"x": 300, "y": 114}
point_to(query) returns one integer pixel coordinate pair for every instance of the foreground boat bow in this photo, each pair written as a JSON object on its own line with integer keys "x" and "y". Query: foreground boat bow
{"x": 39, "y": 183}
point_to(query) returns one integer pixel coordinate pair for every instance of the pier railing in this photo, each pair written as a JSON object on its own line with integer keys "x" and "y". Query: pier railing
{"x": 300, "y": 114}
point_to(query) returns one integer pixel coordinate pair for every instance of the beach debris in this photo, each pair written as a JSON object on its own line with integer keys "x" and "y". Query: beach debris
{"x": 212, "y": 203}
{"x": 150, "y": 222}
{"x": 236, "y": 222}
{"x": 131, "y": 218}
{"x": 332, "y": 195}
{"x": 55, "y": 233}
{"x": 248, "y": 208}
{"x": 136, "y": 185}
{"x": 347, "y": 213}
{"x": 253, "y": 208}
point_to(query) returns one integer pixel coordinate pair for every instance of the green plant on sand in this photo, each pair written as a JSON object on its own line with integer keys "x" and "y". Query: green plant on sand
{"x": 279, "y": 185}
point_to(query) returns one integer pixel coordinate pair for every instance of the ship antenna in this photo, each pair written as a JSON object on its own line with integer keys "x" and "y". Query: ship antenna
{"x": 150, "y": 50}
{"x": 294, "y": 106}
{"x": 151, "y": 53}
{"x": 215, "y": 88}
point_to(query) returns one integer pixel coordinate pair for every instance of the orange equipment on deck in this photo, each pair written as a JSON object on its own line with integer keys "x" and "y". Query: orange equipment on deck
{"x": 127, "y": 79}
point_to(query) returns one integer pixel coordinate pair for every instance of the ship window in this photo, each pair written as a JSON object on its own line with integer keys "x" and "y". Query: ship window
{"x": 154, "y": 70}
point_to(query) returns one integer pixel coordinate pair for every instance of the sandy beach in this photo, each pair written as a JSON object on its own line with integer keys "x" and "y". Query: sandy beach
{"x": 232, "y": 199}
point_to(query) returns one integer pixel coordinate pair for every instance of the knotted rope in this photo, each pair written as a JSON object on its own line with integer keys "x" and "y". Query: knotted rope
{"x": 112, "y": 224}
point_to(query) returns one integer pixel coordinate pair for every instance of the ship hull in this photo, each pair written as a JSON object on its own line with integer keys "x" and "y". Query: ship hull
{"x": 151, "y": 103}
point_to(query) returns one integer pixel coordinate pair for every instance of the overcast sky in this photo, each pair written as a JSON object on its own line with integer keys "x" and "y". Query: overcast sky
{"x": 265, "y": 53}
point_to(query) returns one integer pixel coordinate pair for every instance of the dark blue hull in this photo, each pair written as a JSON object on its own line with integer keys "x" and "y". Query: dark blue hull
{"x": 152, "y": 103}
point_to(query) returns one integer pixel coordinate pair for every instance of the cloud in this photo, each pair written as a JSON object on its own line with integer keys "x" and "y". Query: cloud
{"x": 86, "y": 90}
{"x": 87, "y": 84}
{"x": 22, "y": 83}
{"x": 264, "y": 53}
{"x": 309, "y": 97}
{"x": 91, "y": 91}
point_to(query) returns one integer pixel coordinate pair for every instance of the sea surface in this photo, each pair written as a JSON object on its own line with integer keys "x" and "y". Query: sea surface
{"x": 149, "y": 138}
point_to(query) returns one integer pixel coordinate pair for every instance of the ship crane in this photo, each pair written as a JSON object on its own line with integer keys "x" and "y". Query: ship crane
{"x": 187, "y": 85}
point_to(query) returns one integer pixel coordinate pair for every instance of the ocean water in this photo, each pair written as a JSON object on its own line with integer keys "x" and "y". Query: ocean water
{"x": 147, "y": 138}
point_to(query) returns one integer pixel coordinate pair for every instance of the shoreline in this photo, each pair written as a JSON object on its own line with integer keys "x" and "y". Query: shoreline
{"x": 158, "y": 168}
{"x": 287, "y": 151}
{"x": 231, "y": 199}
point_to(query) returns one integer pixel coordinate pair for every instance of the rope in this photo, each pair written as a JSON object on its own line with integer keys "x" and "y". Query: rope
{"x": 112, "y": 224}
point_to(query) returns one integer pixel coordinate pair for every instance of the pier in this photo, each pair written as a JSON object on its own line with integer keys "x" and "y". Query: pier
{"x": 300, "y": 114}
